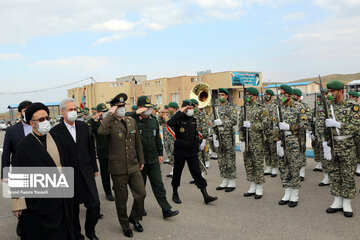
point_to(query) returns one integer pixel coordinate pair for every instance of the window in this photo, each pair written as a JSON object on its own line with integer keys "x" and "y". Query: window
{"x": 121, "y": 85}
{"x": 111, "y": 85}
{"x": 201, "y": 79}
{"x": 175, "y": 97}
{"x": 158, "y": 99}
{"x": 192, "y": 79}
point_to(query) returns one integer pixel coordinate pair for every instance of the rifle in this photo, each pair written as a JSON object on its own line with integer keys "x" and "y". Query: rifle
{"x": 314, "y": 115}
{"x": 282, "y": 133}
{"x": 246, "y": 130}
{"x": 326, "y": 111}
{"x": 262, "y": 96}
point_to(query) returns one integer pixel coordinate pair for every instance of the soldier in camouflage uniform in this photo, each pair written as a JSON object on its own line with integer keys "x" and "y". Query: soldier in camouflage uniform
{"x": 344, "y": 122}
{"x": 294, "y": 120}
{"x": 169, "y": 134}
{"x": 321, "y": 163}
{"x": 297, "y": 97}
{"x": 257, "y": 120}
{"x": 271, "y": 158}
{"x": 354, "y": 96}
{"x": 226, "y": 119}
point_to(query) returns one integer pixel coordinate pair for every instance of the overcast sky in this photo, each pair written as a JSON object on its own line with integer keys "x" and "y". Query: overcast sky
{"x": 49, "y": 43}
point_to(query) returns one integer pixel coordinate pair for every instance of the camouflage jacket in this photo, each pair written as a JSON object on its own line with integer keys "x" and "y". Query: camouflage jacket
{"x": 202, "y": 123}
{"x": 227, "y": 114}
{"x": 272, "y": 123}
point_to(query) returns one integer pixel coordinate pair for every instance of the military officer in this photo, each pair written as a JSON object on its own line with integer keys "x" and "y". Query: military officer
{"x": 133, "y": 108}
{"x": 153, "y": 152}
{"x": 344, "y": 122}
{"x": 126, "y": 160}
{"x": 354, "y": 96}
{"x": 167, "y": 137}
{"x": 271, "y": 158}
{"x": 224, "y": 121}
{"x": 102, "y": 149}
{"x": 297, "y": 97}
{"x": 93, "y": 111}
{"x": 255, "y": 123}
{"x": 186, "y": 149}
{"x": 288, "y": 148}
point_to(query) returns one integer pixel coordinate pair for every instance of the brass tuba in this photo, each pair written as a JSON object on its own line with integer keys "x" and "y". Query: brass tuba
{"x": 202, "y": 93}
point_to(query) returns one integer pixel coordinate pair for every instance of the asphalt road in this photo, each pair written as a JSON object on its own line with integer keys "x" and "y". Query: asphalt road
{"x": 231, "y": 217}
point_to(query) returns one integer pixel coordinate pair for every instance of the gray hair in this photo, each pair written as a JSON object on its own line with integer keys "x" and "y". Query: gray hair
{"x": 65, "y": 101}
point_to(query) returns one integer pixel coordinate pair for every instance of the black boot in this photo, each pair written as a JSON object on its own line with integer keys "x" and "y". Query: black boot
{"x": 175, "y": 196}
{"x": 169, "y": 213}
{"x": 207, "y": 198}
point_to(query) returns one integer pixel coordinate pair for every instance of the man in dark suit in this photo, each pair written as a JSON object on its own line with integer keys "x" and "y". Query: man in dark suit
{"x": 75, "y": 138}
{"x": 13, "y": 136}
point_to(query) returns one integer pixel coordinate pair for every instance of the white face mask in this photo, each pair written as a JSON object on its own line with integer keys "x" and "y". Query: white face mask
{"x": 43, "y": 127}
{"x": 72, "y": 116}
{"x": 120, "y": 112}
{"x": 190, "y": 112}
{"x": 147, "y": 112}
{"x": 24, "y": 118}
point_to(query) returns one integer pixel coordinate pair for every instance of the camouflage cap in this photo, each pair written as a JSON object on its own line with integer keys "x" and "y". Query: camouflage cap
{"x": 253, "y": 91}
{"x": 336, "y": 85}
{"x": 286, "y": 88}
{"x": 102, "y": 107}
{"x": 297, "y": 92}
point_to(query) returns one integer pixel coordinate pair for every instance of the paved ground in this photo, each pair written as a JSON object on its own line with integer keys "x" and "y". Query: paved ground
{"x": 231, "y": 217}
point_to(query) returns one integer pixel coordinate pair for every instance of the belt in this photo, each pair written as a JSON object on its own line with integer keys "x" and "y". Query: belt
{"x": 342, "y": 137}
{"x": 287, "y": 133}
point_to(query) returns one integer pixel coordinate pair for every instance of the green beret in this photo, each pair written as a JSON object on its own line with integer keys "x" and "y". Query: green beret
{"x": 173, "y": 105}
{"x": 354, "y": 94}
{"x": 253, "y": 91}
{"x": 134, "y": 107}
{"x": 144, "y": 101}
{"x": 325, "y": 90}
{"x": 155, "y": 107}
{"x": 195, "y": 101}
{"x": 187, "y": 103}
{"x": 336, "y": 85}
{"x": 297, "y": 92}
{"x": 286, "y": 88}
{"x": 318, "y": 95}
{"x": 86, "y": 108}
{"x": 270, "y": 92}
{"x": 166, "y": 106}
{"x": 223, "y": 90}
{"x": 102, "y": 107}
{"x": 93, "y": 108}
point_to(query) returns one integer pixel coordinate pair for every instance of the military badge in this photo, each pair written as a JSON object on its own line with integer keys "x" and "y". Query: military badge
{"x": 356, "y": 116}
{"x": 182, "y": 130}
{"x": 290, "y": 120}
{"x": 204, "y": 120}
{"x": 120, "y": 134}
{"x": 147, "y": 100}
{"x": 344, "y": 119}
{"x": 303, "y": 111}
{"x": 303, "y": 118}
{"x": 308, "y": 109}
{"x": 356, "y": 108}
{"x": 344, "y": 112}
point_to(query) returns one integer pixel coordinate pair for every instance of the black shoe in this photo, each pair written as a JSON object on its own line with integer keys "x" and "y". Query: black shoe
{"x": 170, "y": 213}
{"x": 348, "y": 214}
{"x": 207, "y": 199}
{"x": 110, "y": 197}
{"x": 229, "y": 189}
{"x": 128, "y": 233}
{"x": 18, "y": 232}
{"x": 247, "y": 194}
{"x": 169, "y": 175}
{"x": 333, "y": 210}
{"x": 176, "y": 199}
{"x": 292, "y": 204}
{"x": 273, "y": 175}
{"x": 282, "y": 202}
{"x": 137, "y": 225}
{"x": 145, "y": 213}
{"x": 357, "y": 174}
{"x": 258, "y": 196}
{"x": 220, "y": 188}
{"x": 267, "y": 174}
{"x": 192, "y": 182}
{"x": 101, "y": 215}
{"x": 323, "y": 184}
{"x": 92, "y": 237}
{"x": 302, "y": 179}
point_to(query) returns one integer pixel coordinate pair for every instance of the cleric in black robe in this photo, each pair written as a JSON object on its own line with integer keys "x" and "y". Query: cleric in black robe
{"x": 79, "y": 149}
{"x": 42, "y": 218}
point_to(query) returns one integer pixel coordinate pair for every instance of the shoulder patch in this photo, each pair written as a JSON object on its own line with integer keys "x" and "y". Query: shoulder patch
{"x": 204, "y": 120}
{"x": 303, "y": 111}
{"x": 303, "y": 118}
{"x": 355, "y": 108}
{"x": 308, "y": 109}
{"x": 356, "y": 116}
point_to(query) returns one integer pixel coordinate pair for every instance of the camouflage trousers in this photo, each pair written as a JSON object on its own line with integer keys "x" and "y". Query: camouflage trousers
{"x": 357, "y": 144}
{"x": 203, "y": 157}
{"x": 227, "y": 157}
{"x": 289, "y": 167}
{"x": 341, "y": 169}
{"x": 302, "y": 140}
{"x": 254, "y": 160}
{"x": 271, "y": 158}
{"x": 317, "y": 153}
{"x": 169, "y": 148}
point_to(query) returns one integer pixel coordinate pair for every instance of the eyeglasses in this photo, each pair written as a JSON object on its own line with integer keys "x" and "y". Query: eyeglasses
{"x": 43, "y": 119}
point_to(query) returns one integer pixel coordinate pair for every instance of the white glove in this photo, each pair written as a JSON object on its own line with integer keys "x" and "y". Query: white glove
{"x": 202, "y": 145}
{"x": 217, "y": 122}
{"x": 314, "y": 119}
{"x": 327, "y": 151}
{"x": 312, "y": 137}
{"x": 216, "y": 141}
{"x": 279, "y": 149}
{"x": 332, "y": 123}
{"x": 247, "y": 124}
{"x": 242, "y": 146}
{"x": 284, "y": 126}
